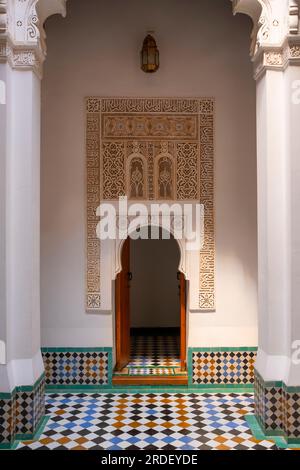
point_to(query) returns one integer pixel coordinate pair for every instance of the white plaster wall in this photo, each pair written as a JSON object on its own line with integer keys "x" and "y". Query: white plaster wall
{"x": 95, "y": 51}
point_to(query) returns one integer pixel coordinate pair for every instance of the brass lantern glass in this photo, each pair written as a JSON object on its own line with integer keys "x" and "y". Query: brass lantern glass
{"x": 149, "y": 55}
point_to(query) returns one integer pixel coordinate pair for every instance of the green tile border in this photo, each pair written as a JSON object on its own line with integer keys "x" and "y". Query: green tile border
{"x": 7, "y": 395}
{"x": 79, "y": 349}
{"x": 7, "y": 446}
{"x": 278, "y": 439}
{"x": 22, "y": 388}
{"x": 277, "y": 384}
{"x": 224, "y": 349}
{"x": 35, "y": 436}
{"x": 270, "y": 383}
{"x": 150, "y": 389}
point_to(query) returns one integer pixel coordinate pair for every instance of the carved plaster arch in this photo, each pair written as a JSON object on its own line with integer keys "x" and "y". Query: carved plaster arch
{"x": 269, "y": 20}
{"x": 275, "y": 35}
{"x": 22, "y": 34}
{"x": 23, "y": 38}
{"x": 180, "y": 243}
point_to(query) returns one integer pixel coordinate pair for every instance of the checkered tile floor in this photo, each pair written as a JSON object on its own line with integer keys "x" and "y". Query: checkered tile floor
{"x": 154, "y": 354}
{"x": 148, "y": 421}
{"x": 151, "y": 371}
{"x": 152, "y": 351}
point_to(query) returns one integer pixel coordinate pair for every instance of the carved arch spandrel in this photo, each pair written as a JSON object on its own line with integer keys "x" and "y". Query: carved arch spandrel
{"x": 270, "y": 21}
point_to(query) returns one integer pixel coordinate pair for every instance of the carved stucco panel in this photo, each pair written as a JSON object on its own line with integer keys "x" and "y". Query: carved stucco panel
{"x": 152, "y": 149}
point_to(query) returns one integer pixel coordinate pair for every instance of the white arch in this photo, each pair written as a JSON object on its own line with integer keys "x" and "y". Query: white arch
{"x": 180, "y": 243}
{"x": 22, "y": 26}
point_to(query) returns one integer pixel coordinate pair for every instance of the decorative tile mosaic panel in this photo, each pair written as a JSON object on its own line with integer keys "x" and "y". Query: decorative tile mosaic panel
{"x": 148, "y": 421}
{"x": 222, "y": 367}
{"x": 21, "y": 414}
{"x": 39, "y": 403}
{"x": 268, "y": 406}
{"x": 259, "y": 399}
{"x": 76, "y": 367}
{"x": 277, "y": 408}
{"x": 30, "y": 408}
{"x": 150, "y": 149}
{"x": 7, "y": 420}
{"x": 291, "y": 423}
{"x": 24, "y": 412}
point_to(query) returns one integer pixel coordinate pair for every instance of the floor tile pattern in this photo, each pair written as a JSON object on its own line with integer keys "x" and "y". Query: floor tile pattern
{"x": 148, "y": 421}
{"x": 151, "y": 371}
{"x": 153, "y": 354}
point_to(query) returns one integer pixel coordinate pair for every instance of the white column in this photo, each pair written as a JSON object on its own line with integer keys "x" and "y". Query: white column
{"x": 278, "y": 225}
{"x": 21, "y": 219}
{"x": 3, "y": 151}
{"x": 293, "y": 146}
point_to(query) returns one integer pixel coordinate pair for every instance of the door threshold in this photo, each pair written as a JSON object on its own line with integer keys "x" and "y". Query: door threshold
{"x": 150, "y": 380}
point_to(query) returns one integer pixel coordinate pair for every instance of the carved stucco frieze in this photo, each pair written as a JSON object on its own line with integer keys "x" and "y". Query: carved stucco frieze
{"x": 151, "y": 149}
{"x": 278, "y": 58}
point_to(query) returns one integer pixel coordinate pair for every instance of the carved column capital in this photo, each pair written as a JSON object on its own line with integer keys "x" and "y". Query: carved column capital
{"x": 277, "y": 57}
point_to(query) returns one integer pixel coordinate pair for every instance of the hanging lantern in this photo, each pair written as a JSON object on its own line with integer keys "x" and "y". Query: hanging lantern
{"x": 149, "y": 55}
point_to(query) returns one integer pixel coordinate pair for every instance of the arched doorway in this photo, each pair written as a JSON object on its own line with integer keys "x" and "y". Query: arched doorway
{"x": 150, "y": 312}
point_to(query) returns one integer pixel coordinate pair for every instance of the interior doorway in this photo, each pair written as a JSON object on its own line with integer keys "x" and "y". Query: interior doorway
{"x": 150, "y": 313}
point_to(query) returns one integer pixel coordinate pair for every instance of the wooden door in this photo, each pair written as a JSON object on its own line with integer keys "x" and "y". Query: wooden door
{"x": 123, "y": 309}
{"x": 182, "y": 296}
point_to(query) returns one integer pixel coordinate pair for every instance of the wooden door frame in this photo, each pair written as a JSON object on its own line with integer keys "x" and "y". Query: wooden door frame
{"x": 121, "y": 285}
{"x": 119, "y": 311}
{"x": 182, "y": 286}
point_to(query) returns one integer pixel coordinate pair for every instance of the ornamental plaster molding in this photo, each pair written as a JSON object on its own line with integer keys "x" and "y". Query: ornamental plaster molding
{"x": 23, "y": 38}
{"x": 270, "y": 20}
{"x": 22, "y": 34}
{"x": 277, "y": 57}
{"x": 130, "y": 144}
{"x": 275, "y": 34}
